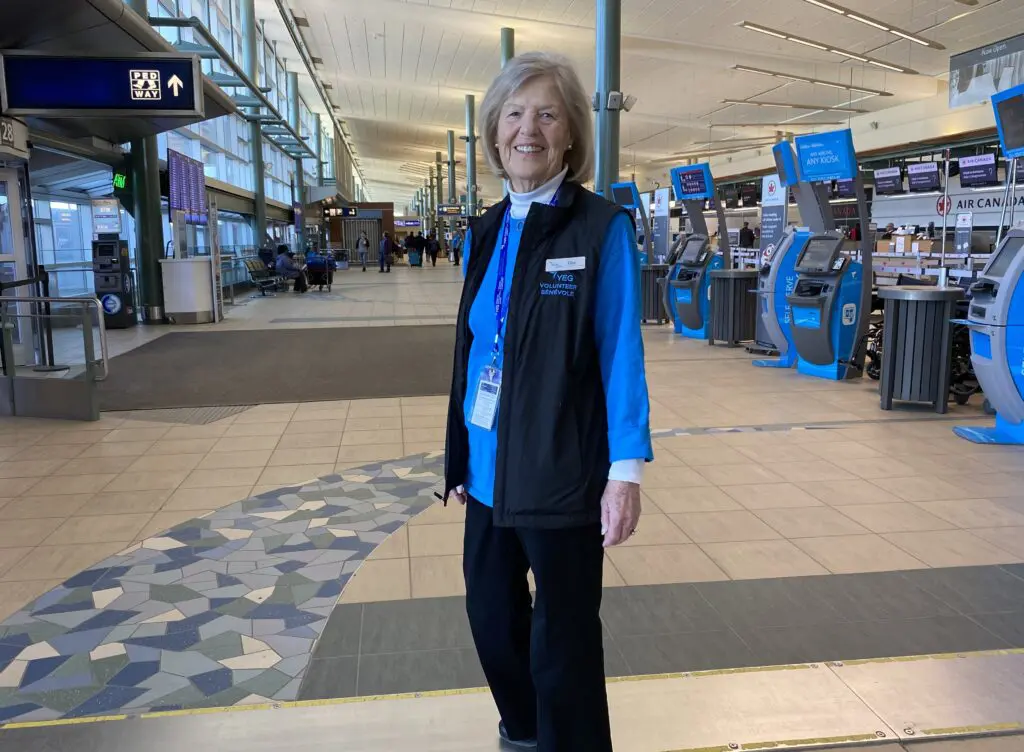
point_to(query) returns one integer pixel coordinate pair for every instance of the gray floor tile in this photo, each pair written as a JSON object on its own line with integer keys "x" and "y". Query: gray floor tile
{"x": 1007, "y": 627}
{"x": 614, "y": 663}
{"x": 341, "y": 635}
{"x": 972, "y": 590}
{"x": 420, "y": 624}
{"x": 656, "y": 609}
{"x": 419, "y": 671}
{"x": 769, "y": 603}
{"x": 329, "y": 678}
{"x": 876, "y": 597}
{"x": 695, "y": 651}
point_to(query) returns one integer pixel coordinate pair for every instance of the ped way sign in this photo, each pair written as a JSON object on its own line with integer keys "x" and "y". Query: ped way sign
{"x": 153, "y": 83}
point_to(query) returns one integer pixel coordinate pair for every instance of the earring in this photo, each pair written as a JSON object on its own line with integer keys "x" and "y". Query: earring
{"x": 570, "y": 147}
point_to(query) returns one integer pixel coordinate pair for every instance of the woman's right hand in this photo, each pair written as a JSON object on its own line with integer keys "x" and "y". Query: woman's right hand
{"x": 459, "y": 492}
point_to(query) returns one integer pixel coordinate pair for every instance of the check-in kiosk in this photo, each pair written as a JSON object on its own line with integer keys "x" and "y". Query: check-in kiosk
{"x": 996, "y": 313}
{"x": 688, "y": 289}
{"x": 112, "y": 278}
{"x": 652, "y": 276}
{"x": 627, "y": 195}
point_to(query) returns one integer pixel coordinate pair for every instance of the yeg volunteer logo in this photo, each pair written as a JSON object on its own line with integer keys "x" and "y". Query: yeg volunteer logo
{"x": 561, "y": 284}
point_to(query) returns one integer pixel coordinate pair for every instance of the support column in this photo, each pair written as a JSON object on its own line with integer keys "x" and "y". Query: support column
{"x": 439, "y": 180}
{"x": 149, "y": 224}
{"x": 295, "y": 118}
{"x": 471, "y": 155}
{"x": 451, "y": 168}
{"x": 508, "y": 45}
{"x": 251, "y": 66}
{"x": 606, "y": 130}
{"x": 318, "y": 147}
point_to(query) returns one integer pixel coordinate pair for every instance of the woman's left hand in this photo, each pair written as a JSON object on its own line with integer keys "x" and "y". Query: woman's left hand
{"x": 620, "y": 511}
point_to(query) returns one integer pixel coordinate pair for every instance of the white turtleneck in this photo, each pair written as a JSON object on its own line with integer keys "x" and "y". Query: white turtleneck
{"x": 520, "y": 202}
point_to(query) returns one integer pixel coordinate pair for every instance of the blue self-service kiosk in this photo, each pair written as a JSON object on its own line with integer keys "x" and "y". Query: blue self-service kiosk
{"x": 996, "y": 312}
{"x": 627, "y": 196}
{"x": 688, "y": 288}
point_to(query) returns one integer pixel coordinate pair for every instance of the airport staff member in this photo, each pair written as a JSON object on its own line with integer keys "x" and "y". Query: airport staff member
{"x": 548, "y": 426}
{"x": 746, "y": 236}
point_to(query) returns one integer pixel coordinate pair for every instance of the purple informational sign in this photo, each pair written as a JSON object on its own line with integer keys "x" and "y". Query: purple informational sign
{"x": 187, "y": 179}
{"x": 924, "y": 176}
{"x": 978, "y": 171}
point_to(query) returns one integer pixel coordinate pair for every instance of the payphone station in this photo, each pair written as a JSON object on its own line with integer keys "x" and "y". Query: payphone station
{"x": 831, "y": 300}
{"x": 778, "y": 274}
{"x": 996, "y": 312}
{"x": 687, "y": 292}
{"x": 112, "y": 277}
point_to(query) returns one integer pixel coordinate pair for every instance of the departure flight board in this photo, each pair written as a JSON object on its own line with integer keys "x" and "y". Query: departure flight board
{"x": 187, "y": 187}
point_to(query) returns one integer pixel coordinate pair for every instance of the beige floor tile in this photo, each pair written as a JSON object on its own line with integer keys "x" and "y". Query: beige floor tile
{"x": 93, "y": 465}
{"x": 384, "y": 580}
{"x": 374, "y": 424}
{"x": 738, "y": 475}
{"x": 248, "y": 443}
{"x": 772, "y": 496}
{"x": 370, "y": 453}
{"x": 57, "y": 452}
{"x": 420, "y": 421}
{"x": 843, "y": 450}
{"x": 437, "y": 576}
{"x": 839, "y": 493}
{"x": 206, "y": 498}
{"x": 439, "y": 514}
{"x": 423, "y": 435}
{"x": 166, "y": 462}
{"x": 300, "y": 427}
{"x": 31, "y": 532}
{"x": 422, "y": 447}
{"x": 237, "y": 476}
{"x": 14, "y": 596}
{"x": 656, "y": 477}
{"x": 310, "y": 456}
{"x": 809, "y": 472}
{"x": 29, "y": 469}
{"x": 51, "y": 562}
{"x": 107, "y": 528}
{"x": 971, "y": 513}
{"x": 754, "y": 560}
{"x": 719, "y": 527}
{"x": 255, "y": 429}
{"x": 62, "y": 438}
{"x": 122, "y": 449}
{"x": 148, "y": 480}
{"x": 369, "y": 438}
{"x": 1010, "y": 539}
{"x": 950, "y": 548}
{"x": 898, "y": 517}
{"x": 877, "y": 467}
{"x": 184, "y": 446}
{"x": 17, "y": 486}
{"x": 782, "y": 451}
{"x": 920, "y": 488}
{"x": 847, "y": 554}
{"x": 119, "y": 435}
{"x": 426, "y": 409}
{"x": 311, "y": 441}
{"x": 396, "y": 546}
{"x": 267, "y": 413}
{"x": 689, "y": 443}
{"x": 358, "y": 410}
{"x": 655, "y": 529}
{"x": 10, "y": 558}
{"x": 811, "y": 522}
{"x": 712, "y": 456}
{"x": 232, "y": 460}
{"x": 321, "y": 413}
{"x": 991, "y": 486}
{"x": 654, "y": 565}
{"x": 35, "y": 507}
{"x": 70, "y": 484}
{"x": 681, "y": 500}
{"x": 161, "y": 522}
{"x": 126, "y": 502}
{"x": 610, "y": 576}
{"x": 436, "y": 540}
{"x": 288, "y": 475}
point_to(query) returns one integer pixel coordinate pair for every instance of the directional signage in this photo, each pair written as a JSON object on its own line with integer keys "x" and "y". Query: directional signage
{"x": 449, "y": 210}
{"x": 160, "y": 84}
{"x": 826, "y": 156}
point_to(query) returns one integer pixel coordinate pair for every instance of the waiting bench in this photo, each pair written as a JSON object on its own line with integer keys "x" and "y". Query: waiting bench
{"x": 263, "y": 278}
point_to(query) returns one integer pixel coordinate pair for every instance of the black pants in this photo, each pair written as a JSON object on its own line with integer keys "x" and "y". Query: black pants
{"x": 545, "y": 662}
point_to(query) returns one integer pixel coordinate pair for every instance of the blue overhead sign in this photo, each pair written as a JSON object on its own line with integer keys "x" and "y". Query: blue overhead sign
{"x": 826, "y": 156}
{"x": 158, "y": 84}
{"x": 785, "y": 162}
{"x": 1009, "y": 111}
{"x": 693, "y": 182}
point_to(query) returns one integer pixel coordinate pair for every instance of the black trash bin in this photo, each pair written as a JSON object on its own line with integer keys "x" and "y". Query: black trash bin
{"x": 917, "y": 344}
{"x": 733, "y": 306}
{"x": 652, "y": 293}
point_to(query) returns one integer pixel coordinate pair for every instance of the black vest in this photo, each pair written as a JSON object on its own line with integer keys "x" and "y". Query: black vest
{"x": 552, "y": 463}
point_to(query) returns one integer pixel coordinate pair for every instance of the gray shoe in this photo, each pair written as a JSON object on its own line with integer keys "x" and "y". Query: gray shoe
{"x": 514, "y": 743}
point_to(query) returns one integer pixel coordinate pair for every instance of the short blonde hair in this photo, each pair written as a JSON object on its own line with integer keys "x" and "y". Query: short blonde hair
{"x": 517, "y": 72}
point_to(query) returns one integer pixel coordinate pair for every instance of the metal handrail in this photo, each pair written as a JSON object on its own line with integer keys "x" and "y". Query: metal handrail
{"x": 104, "y": 350}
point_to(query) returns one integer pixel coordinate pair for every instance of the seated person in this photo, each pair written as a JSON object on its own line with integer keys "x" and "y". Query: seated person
{"x": 289, "y": 268}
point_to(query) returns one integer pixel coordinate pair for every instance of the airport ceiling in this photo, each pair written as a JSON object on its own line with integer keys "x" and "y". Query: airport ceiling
{"x": 399, "y": 69}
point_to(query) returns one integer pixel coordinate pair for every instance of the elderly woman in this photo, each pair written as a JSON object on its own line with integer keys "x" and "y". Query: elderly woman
{"x": 548, "y": 420}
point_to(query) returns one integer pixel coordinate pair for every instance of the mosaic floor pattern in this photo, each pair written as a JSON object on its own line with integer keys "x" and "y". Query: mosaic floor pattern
{"x": 218, "y": 611}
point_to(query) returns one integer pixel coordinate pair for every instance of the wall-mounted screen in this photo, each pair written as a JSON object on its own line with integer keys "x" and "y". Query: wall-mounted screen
{"x": 845, "y": 189}
{"x": 978, "y": 171}
{"x": 923, "y": 176}
{"x": 889, "y": 180}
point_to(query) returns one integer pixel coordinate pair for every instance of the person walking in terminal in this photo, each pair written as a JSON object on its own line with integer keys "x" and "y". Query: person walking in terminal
{"x": 433, "y": 248}
{"x": 385, "y": 253}
{"x": 363, "y": 248}
{"x": 548, "y": 427}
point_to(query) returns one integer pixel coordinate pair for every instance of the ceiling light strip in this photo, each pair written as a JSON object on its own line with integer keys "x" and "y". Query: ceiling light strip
{"x": 820, "y": 108}
{"x": 860, "y": 18}
{"x": 836, "y": 50}
{"x": 816, "y": 81}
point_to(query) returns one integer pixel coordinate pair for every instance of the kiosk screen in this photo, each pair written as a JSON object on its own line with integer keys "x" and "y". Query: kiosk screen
{"x": 1011, "y": 116}
{"x": 622, "y": 195}
{"x": 817, "y": 256}
{"x": 998, "y": 266}
{"x": 691, "y": 251}
{"x": 106, "y": 250}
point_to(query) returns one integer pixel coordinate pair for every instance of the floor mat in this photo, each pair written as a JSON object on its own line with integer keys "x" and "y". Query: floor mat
{"x": 200, "y": 369}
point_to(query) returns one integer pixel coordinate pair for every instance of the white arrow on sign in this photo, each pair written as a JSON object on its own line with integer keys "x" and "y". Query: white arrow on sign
{"x": 175, "y": 85}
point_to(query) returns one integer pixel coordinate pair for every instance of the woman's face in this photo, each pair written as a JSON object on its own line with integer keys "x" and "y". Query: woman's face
{"x": 533, "y": 134}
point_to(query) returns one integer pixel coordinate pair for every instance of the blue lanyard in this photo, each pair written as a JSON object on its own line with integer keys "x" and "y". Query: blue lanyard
{"x": 500, "y": 301}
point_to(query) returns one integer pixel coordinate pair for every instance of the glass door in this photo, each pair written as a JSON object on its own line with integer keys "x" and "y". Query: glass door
{"x": 13, "y": 257}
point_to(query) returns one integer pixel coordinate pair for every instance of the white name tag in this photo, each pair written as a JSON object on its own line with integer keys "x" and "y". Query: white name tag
{"x": 566, "y": 264}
